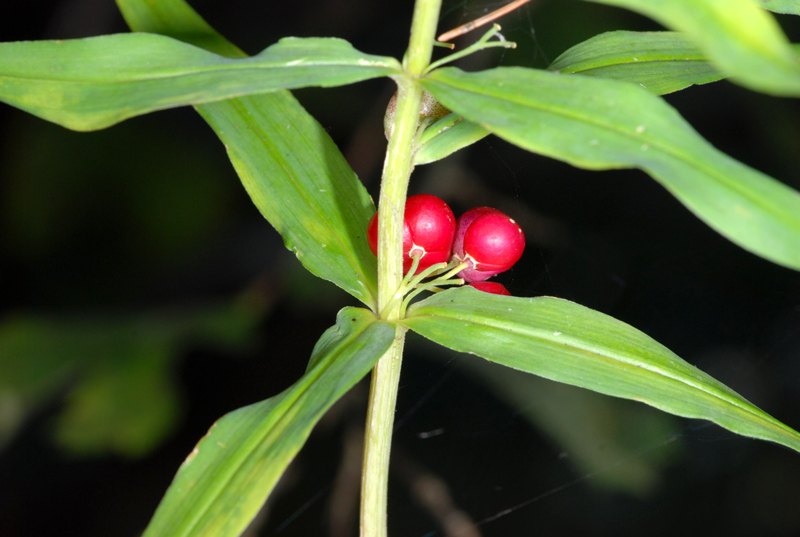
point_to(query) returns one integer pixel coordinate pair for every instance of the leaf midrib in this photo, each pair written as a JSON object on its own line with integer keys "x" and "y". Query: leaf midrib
{"x": 637, "y": 62}
{"x": 217, "y": 69}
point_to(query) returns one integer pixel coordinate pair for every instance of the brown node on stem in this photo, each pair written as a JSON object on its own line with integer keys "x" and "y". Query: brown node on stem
{"x": 430, "y": 107}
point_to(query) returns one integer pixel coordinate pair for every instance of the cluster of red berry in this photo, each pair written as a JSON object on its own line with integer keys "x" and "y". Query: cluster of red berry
{"x": 483, "y": 239}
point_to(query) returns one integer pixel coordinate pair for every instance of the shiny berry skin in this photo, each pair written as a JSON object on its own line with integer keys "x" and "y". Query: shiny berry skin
{"x": 428, "y": 229}
{"x": 491, "y": 287}
{"x": 489, "y": 241}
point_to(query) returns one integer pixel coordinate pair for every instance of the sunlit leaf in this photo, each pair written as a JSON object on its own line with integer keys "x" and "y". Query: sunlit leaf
{"x": 228, "y": 476}
{"x": 569, "y": 343}
{"x": 291, "y": 168}
{"x": 660, "y": 62}
{"x": 86, "y": 84}
{"x": 603, "y": 124}
{"x": 737, "y": 36}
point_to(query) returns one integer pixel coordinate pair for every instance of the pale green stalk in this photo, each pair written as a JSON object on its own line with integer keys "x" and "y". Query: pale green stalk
{"x": 394, "y": 187}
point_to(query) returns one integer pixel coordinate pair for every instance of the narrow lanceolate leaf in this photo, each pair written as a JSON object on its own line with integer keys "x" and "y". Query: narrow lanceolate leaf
{"x": 660, "y": 62}
{"x": 227, "y": 477}
{"x": 740, "y": 38}
{"x": 92, "y": 83}
{"x": 302, "y": 184}
{"x": 445, "y": 137}
{"x": 291, "y": 168}
{"x": 788, "y": 7}
{"x": 603, "y": 124}
{"x": 569, "y": 343}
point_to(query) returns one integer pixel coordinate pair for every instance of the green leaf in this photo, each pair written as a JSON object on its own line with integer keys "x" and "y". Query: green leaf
{"x": 603, "y": 124}
{"x": 228, "y": 476}
{"x": 291, "y": 168}
{"x": 569, "y": 343}
{"x": 87, "y": 84}
{"x": 446, "y": 136}
{"x": 660, "y": 62}
{"x": 741, "y": 39}
{"x": 302, "y": 184}
{"x": 788, "y": 7}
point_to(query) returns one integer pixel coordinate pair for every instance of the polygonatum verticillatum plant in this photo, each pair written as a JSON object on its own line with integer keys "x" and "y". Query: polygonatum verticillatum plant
{"x": 596, "y": 107}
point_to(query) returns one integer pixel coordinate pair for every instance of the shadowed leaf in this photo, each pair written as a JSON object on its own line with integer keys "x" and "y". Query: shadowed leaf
{"x": 737, "y": 36}
{"x": 445, "y": 137}
{"x": 660, "y": 62}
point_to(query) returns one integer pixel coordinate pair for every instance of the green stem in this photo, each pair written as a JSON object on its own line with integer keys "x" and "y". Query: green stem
{"x": 391, "y": 205}
{"x": 423, "y": 31}
{"x": 378, "y": 439}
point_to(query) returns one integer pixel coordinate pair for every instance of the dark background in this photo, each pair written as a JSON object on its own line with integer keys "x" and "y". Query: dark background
{"x": 128, "y": 230}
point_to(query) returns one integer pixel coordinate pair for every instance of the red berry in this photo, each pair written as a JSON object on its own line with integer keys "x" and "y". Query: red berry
{"x": 491, "y": 287}
{"x": 428, "y": 229}
{"x": 489, "y": 241}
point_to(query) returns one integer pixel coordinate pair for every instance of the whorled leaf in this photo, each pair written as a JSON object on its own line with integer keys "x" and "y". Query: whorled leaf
{"x": 92, "y": 83}
{"x": 603, "y": 124}
{"x": 660, "y": 62}
{"x": 569, "y": 343}
{"x": 227, "y": 477}
{"x": 291, "y": 168}
{"x": 737, "y": 36}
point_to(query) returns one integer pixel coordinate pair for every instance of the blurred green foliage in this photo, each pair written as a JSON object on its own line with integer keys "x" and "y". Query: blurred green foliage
{"x": 116, "y": 373}
{"x": 597, "y": 432}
